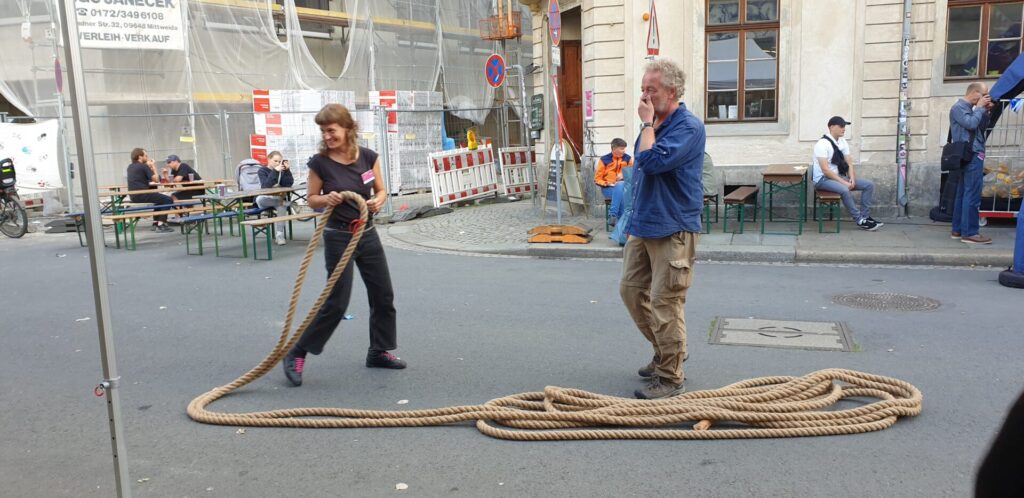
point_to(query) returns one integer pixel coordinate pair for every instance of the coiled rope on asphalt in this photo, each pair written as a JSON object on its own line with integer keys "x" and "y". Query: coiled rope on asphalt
{"x": 763, "y": 407}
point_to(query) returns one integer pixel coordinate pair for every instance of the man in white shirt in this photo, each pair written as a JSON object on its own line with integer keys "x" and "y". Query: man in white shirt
{"x": 833, "y": 171}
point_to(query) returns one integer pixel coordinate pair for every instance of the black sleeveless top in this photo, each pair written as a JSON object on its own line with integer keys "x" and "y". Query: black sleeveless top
{"x": 338, "y": 177}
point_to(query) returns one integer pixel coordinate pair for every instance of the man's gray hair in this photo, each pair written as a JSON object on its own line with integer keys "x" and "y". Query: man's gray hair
{"x": 672, "y": 77}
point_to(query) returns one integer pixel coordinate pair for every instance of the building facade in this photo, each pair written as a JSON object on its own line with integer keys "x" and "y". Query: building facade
{"x": 767, "y": 99}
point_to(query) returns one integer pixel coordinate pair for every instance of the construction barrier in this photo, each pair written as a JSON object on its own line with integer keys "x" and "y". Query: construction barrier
{"x": 517, "y": 170}
{"x": 462, "y": 175}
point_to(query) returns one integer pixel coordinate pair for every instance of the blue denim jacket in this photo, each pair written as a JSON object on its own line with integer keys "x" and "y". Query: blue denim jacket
{"x": 964, "y": 119}
{"x": 667, "y": 191}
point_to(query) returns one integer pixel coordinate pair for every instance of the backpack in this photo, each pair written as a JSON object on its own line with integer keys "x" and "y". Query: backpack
{"x": 7, "y": 175}
{"x": 838, "y": 158}
{"x": 248, "y": 175}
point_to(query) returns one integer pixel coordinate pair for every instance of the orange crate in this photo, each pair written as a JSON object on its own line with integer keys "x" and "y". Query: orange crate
{"x": 502, "y": 27}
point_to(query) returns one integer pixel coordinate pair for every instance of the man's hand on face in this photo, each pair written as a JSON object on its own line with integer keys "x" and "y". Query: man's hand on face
{"x": 645, "y": 109}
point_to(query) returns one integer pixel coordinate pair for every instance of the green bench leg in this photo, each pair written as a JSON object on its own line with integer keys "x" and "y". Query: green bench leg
{"x": 197, "y": 227}
{"x": 265, "y": 230}
{"x": 131, "y": 226}
{"x": 742, "y": 212}
{"x": 607, "y": 216}
{"x": 118, "y": 228}
{"x": 834, "y": 213}
{"x": 707, "y": 218}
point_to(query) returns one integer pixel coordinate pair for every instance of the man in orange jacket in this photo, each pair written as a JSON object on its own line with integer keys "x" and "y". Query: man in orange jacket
{"x": 609, "y": 176}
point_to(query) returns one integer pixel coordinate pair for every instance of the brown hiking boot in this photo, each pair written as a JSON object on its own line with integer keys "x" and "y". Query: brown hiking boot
{"x": 659, "y": 388}
{"x": 976, "y": 239}
{"x": 648, "y": 371}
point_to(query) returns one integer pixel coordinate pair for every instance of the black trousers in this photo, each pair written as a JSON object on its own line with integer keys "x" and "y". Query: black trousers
{"x": 187, "y": 195}
{"x": 373, "y": 268}
{"x": 157, "y": 199}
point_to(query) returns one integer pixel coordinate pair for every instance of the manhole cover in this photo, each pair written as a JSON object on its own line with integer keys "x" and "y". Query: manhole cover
{"x": 886, "y": 301}
{"x": 828, "y": 336}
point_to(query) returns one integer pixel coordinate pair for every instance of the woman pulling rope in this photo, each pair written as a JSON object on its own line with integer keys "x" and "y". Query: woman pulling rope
{"x": 343, "y": 166}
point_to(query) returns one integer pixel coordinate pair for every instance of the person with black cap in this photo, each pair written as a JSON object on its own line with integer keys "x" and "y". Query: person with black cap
{"x": 833, "y": 171}
{"x": 182, "y": 172}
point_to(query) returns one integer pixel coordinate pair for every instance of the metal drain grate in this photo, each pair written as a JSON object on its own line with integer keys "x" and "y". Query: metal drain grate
{"x": 886, "y": 301}
{"x": 828, "y": 336}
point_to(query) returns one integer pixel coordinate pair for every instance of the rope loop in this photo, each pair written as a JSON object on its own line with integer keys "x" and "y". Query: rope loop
{"x": 763, "y": 407}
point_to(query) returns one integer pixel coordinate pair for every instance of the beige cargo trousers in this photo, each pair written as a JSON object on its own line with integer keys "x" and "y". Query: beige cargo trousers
{"x": 656, "y": 273}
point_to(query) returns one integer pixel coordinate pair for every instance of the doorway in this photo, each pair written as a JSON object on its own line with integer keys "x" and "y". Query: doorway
{"x": 570, "y": 77}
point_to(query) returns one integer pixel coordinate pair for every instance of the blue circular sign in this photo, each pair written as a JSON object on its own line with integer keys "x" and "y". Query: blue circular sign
{"x": 494, "y": 70}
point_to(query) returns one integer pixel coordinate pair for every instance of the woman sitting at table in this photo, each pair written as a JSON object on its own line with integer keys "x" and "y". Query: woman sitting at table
{"x": 275, "y": 174}
{"x": 343, "y": 166}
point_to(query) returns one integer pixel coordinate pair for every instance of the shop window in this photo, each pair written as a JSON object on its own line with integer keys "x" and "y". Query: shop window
{"x": 982, "y": 38}
{"x": 742, "y": 60}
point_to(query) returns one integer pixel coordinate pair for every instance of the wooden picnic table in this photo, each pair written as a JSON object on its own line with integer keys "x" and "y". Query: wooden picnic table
{"x": 236, "y": 201}
{"x": 784, "y": 178}
{"x": 106, "y": 190}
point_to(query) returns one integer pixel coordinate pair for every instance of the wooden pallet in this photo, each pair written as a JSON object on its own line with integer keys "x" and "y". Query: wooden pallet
{"x": 564, "y": 234}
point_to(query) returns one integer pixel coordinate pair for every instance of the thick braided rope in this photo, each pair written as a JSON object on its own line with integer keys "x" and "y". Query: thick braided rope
{"x": 763, "y": 407}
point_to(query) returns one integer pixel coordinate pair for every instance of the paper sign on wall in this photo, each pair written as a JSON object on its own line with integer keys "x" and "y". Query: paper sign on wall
{"x": 146, "y": 25}
{"x": 33, "y": 148}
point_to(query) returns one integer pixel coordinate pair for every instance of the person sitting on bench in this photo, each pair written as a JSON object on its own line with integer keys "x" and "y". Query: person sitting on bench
{"x": 833, "y": 171}
{"x": 609, "y": 176}
{"x": 275, "y": 174}
{"x": 182, "y": 172}
{"x": 708, "y": 177}
{"x": 141, "y": 172}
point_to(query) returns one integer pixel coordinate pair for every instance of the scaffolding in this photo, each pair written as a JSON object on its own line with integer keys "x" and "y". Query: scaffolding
{"x": 181, "y": 101}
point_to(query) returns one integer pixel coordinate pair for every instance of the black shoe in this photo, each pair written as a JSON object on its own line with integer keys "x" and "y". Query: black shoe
{"x": 164, "y": 229}
{"x": 384, "y": 359}
{"x": 876, "y": 222}
{"x": 293, "y": 367}
{"x": 867, "y": 224}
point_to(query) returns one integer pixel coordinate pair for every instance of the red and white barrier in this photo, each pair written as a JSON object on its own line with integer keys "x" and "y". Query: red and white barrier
{"x": 517, "y": 170}
{"x": 463, "y": 174}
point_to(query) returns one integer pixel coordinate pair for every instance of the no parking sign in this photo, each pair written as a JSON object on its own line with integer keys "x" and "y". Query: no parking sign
{"x": 494, "y": 70}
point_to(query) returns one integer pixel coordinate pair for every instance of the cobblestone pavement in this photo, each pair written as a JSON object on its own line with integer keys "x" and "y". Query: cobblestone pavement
{"x": 501, "y": 228}
{"x": 490, "y": 225}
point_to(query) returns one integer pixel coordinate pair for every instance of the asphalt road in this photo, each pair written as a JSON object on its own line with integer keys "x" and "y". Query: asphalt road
{"x": 472, "y": 329}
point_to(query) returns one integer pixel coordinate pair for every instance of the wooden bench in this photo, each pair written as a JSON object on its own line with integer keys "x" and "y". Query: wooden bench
{"x": 127, "y": 222}
{"x": 737, "y": 200}
{"x": 832, "y": 201}
{"x": 198, "y": 223}
{"x": 265, "y": 226}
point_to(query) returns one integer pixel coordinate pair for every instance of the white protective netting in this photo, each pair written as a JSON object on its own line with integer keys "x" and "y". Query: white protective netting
{"x": 154, "y": 98}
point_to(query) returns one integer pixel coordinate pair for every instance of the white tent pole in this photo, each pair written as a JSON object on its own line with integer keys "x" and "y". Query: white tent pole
{"x": 94, "y": 232}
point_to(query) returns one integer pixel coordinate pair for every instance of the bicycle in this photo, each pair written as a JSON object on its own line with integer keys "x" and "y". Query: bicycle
{"x": 13, "y": 219}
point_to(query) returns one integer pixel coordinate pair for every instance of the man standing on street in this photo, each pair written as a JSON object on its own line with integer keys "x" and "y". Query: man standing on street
{"x": 667, "y": 200}
{"x": 967, "y": 122}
